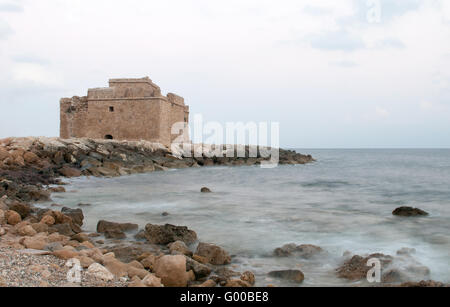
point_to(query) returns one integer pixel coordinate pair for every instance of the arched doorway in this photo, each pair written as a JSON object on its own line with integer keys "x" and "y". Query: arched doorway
{"x": 109, "y": 137}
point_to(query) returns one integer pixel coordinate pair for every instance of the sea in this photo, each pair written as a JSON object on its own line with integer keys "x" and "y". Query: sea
{"x": 343, "y": 203}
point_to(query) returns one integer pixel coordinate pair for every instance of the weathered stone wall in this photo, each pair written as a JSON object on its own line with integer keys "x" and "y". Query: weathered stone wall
{"x": 130, "y": 109}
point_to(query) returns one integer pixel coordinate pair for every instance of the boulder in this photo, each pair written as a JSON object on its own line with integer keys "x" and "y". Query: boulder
{"x": 40, "y": 227}
{"x": 34, "y": 243}
{"x": 12, "y": 217}
{"x": 80, "y": 237}
{"x": 200, "y": 270}
{"x": 65, "y": 254}
{"x": 30, "y": 157}
{"x": 172, "y": 270}
{"x": 75, "y": 214}
{"x": 48, "y": 220}
{"x": 26, "y": 230}
{"x": 100, "y": 272}
{"x": 23, "y": 209}
{"x": 115, "y": 234}
{"x": 104, "y": 226}
{"x": 409, "y": 211}
{"x": 213, "y": 253}
{"x": 205, "y": 190}
{"x": 2, "y": 217}
{"x": 116, "y": 267}
{"x": 305, "y": 251}
{"x": 70, "y": 172}
{"x": 63, "y": 229}
{"x": 166, "y": 234}
{"x": 237, "y": 283}
{"x": 356, "y": 268}
{"x": 290, "y": 275}
{"x": 248, "y": 277}
{"x": 152, "y": 281}
{"x": 179, "y": 248}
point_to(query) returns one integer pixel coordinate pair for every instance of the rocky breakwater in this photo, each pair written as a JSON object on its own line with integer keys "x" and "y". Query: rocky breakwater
{"x": 27, "y": 165}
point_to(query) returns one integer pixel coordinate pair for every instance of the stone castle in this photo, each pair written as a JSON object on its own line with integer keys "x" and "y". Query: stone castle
{"x": 129, "y": 109}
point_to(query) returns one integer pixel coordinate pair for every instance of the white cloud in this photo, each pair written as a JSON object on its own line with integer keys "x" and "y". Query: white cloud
{"x": 35, "y": 73}
{"x": 381, "y": 112}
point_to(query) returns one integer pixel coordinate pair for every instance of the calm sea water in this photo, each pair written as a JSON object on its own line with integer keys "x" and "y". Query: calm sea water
{"x": 343, "y": 202}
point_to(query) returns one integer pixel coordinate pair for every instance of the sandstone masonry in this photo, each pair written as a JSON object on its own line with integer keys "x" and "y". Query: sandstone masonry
{"x": 129, "y": 109}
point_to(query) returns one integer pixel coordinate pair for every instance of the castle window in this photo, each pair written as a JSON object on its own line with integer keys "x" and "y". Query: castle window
{"x": 111, "y": 109}
{"x": 108, "y": 137}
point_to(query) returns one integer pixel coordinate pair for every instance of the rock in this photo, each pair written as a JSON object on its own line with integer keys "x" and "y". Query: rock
{"x": 179, "y": 248}
{"x": 200, "y": 259}
{"x": 75, "y": 214}
{"x": 166, "y": 234}
{"x": 85, "y": 261}
{"x": 409, "y": 211}
{"x": 70, "y": 172}
{"x": 26, "y": 230}
{"x": 30, "y": 157}
{"x": 213, "y": 253}
{"x": 248, "y": 277}
{"x": 136, "y": 264}
{"x": 54, "y": 246}
{"x": 100, "y": 272}
{"x": 305, "y": 251}
{"x": 80, "y": 237}
{"x": 200, "y": 270}
{"x": 237, "y": 283}
{"x": 104, "y": 226}
{"x": 40, "y": 227}
{"x": 65, "y": 254}
{"x": 2, "y": 217}
{"x": 172, "y": 270}
{"x": 406, "y": 251}
{"x": 356, "y": 268}
{"x": 23, "y": 209}
{"x": 133, "y": 271}
{"x": 35, "y": 243}
{"x": 152, "y": 281}
{"x": 165, "y": 214}
{"x": 13, "y": 217}
{"x": 136, "y": 282}
{"x": 57, "y": 190}
{"x": 115, "y": 234}
{"x": 205, "y": 190}
{"x": 116, "y": 267}
{"x": 208, "y": 284}
{"x": 290, "y": 275}
{"x": 48, "y": 220}
{"x": 2, "y": 231}
{"x": 63, "y": 229}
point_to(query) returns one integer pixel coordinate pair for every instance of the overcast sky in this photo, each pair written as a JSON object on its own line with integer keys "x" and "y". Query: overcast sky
{"x": 332, "y": 73}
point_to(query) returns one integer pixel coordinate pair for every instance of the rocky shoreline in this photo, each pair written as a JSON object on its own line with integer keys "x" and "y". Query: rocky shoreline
{"x": 42, "y": 247}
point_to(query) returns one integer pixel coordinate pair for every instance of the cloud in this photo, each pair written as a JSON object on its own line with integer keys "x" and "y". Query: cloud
{"x": 5, "y": 29}
{"x": 337, "y": 41}
{"x": 10, "y": 7}
{"x": 26, "y": 58}
{"x": 316, "y": 10}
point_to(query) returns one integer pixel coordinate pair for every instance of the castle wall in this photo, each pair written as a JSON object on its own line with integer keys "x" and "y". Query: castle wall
{"x": 130, "y": 109}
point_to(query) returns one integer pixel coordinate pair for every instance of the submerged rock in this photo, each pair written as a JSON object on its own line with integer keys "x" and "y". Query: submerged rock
{"x": 290, "y": 275}
{"x": 409, "y": 211}
{"x": 305, "y": 251}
